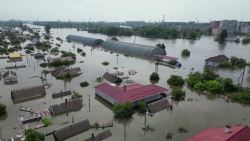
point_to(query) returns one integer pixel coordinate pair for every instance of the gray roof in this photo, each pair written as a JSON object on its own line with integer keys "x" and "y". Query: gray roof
{"x": 9, "y": 75}
{"x": 72, "y": 129}
{"x": 69, "y": 58}
{"x": 112, "y": 78}
{"x": 26, "y": 93}
{"x": 37, "y": 55}
{"x": 100, "y": 136}
{"x": 62, "y": 70}
{"x": 136, "y": 49}
{"x": 158, "y": 105}
{"x": 61, "y": 94}
{"x": 66, "y": 106}
{"x": 85, "y": 40}
{"x": 218, "y": 59}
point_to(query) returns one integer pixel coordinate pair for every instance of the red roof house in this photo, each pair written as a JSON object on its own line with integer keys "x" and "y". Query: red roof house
{"x": 132, "y": 93}
{"x": 2, "y": 35}
{"x": 166, "y": 57}
{"x": 236, "y": 133}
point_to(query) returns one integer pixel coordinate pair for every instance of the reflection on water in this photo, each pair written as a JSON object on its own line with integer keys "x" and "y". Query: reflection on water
{"x": 204, "y": 112}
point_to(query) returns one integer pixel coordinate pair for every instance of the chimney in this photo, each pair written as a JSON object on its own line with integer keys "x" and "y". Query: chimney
{"x": 124, "y": 88}
{"x": 219, "y": 55}
{"x": 66, "y": 100}
{"x": 227, "y": 129}
{"x": 92, "y": 135}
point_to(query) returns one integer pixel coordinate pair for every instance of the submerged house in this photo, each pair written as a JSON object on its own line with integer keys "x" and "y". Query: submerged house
{"x": 227, "y": 133}
{"x": 69, "y": 58}
{"x": 86, "y": 40}
{"x": 216, "y": 60}
{"x": 132, "y": 93}
{"x": 100, "y": 136}
{"x": 15, "y": 56}
{"x": 39, "y": 55}
{"x": 27, "y": 93}
{"x": 136, "y": 49}
{"x": 112, "y": 78}
{"x": 71, "y": 129}
{"x": 63, "y": 70}
{"x": 9, "y": 76}
{"x": 66, "y": 106}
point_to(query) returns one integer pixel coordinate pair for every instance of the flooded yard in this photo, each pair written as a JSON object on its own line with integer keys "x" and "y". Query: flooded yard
{"x": 203, "y": 112}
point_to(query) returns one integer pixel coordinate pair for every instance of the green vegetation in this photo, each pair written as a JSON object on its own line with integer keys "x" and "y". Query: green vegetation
{"x": 172, "y": 62}
{"x": 79, "y": 50}
{"x": 81, "y": 61}
{"x": 76, "y": 95}
{"x": 163, "y": 94}
{"x": 95, "y": 125}
{"x": 123, "y": 111}
{"x": 66, "y": 54}
{"x": 42, "y": 44}
{"x": 114, "y": 39}
{"x": 44, "y": 64}
{"x": 32, "y": 135}
{"x": 185, "y": 52}
{"x": 2, "y": 110}
{"x": 142, "y": 106}
{"x": 111, "y": 30}
{"x": 181, "y": 129}
{"x": 242, "y": 96}
{"x": 161, "y": 46}
{"x": 154, "y": 76}
{"x": 214, "y": 87}
{"x": 176, "y": 80}
{"x": 47, "y": 37}
{"x": 47, "y": 122}
{"x": 65, "y": 122}
{"x": 239, "y": 62}
{"x": 105, "y": 63}
{"x": 226, "y": 64}
{"x": 55, "y": 49}
{"x": 68, "y": 41}
{"x": 59, "y": 62}
{"x": 147, "y": 128}
{"x": 111, "y": 52}
{"x": 47, "y": 28}
{"x": 99, "y": 79}
{"x": 178, "y": 94}
{"x": 223, "y": 35}
{"x": 84, "y": 84}
{"x": 59, "y": 39}
{"x": 246, "y": 40}
{"x": 128, "y": 55}
{"x": 169, "y": 136}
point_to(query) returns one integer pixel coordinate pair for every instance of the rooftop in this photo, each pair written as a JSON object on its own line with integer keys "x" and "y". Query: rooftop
{"x": 69, "y": 58}
{"x": 218, "y": 59}
{"x": 15, "y": 55}
{"x": 165, "y": 57}
{"x": 134, "y": 92}
{"x": 237, "y": 133}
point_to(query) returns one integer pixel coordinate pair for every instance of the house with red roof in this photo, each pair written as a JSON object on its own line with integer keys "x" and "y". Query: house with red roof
{"x": 227, "y": 133}
{"x": 2, "y": 35}
{"x": 216, "y": 60}
{"x": 132, "y": 93}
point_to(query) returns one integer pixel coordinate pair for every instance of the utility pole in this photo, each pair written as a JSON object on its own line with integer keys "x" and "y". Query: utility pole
{"x": 89, "y": 102}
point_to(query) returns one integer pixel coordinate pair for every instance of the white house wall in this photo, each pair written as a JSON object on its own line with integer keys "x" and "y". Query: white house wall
{"x": 208, "y": 63}
{"x": 110, "y": 100}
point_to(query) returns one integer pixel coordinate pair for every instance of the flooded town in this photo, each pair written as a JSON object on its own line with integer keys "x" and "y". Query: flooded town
{"x": 121, "y": 81}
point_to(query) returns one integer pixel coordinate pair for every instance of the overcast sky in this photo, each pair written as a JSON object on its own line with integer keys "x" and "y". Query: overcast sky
{"x": 125, "y": 10}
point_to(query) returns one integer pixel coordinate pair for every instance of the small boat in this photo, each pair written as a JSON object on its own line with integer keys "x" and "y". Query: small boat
{"x": 25, "y": 109}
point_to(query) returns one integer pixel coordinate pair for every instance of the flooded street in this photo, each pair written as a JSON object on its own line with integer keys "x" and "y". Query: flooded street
{"x": 203, "y": 112}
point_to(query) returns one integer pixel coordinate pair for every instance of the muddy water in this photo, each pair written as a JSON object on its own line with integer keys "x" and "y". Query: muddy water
{"x": 204, "y": 112}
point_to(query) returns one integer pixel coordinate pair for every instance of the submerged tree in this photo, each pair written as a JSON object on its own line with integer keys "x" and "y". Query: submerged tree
{"x": 123, "y": 111}
{"x": 2, "y": 110}
{"x": 47, "y": 28}
{"x": 223, "y": 35}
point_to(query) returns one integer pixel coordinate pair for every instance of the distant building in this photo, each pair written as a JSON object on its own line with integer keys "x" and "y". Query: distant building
{"x": 132, "y": 93}
{"x": 69, "y": 58}
{"x": 135, "y": 23}
{"x": 2, "y": 35}
{"x": 34, "y": 40}
{"x": 217, "y": 31}
{"x": 230, "y": 25}
{"x": 9, "y": 76}
{"x": 14, "y": 31}
{"x": 227, "y": 133}
{"x": 245, "y": 29}
{"x": 216, "y": 60}
{"x": 214, "y": 24}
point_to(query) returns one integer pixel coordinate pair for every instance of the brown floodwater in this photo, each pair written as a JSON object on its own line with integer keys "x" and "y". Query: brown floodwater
{"x": 203, "y": 112}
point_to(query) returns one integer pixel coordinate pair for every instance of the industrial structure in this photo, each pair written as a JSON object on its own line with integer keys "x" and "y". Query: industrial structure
{"x": 86, "y": 40}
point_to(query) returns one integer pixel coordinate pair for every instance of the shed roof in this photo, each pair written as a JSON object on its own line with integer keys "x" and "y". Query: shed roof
{"x": 237, "y": 133}
{"x": 15, "y": 55}
{"x": 85, "y": 40}
{"x": 69, "y": 58}
{"x": 9, "y": 75}
{"x": 61, "y": 94}
{"x": 158, "y": 105}
{"x": 63, "y": 70}
{"x": 141, "y": 50}
{"x": 72, "y": 129}
{"x": 165, "y": 57}
{"x": 26, "y": 93}
{"x": 37, "y": 55}
{"x": 218, "y": 59}
{"x": 100, "y": 136}
{"x": 134, "y": 94}
{"x": 66, "y": 106}
{"x": 112, "y": 78}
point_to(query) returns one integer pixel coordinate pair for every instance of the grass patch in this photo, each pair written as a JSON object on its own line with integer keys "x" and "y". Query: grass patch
{"x": 47, "y": 122}
{"x": 76, "y": 95}
{"x": 44, "y": 64}
{"x": 99, "y": 79}
{"x": 65, "y": 122}
{"x": 128, "y": 55}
